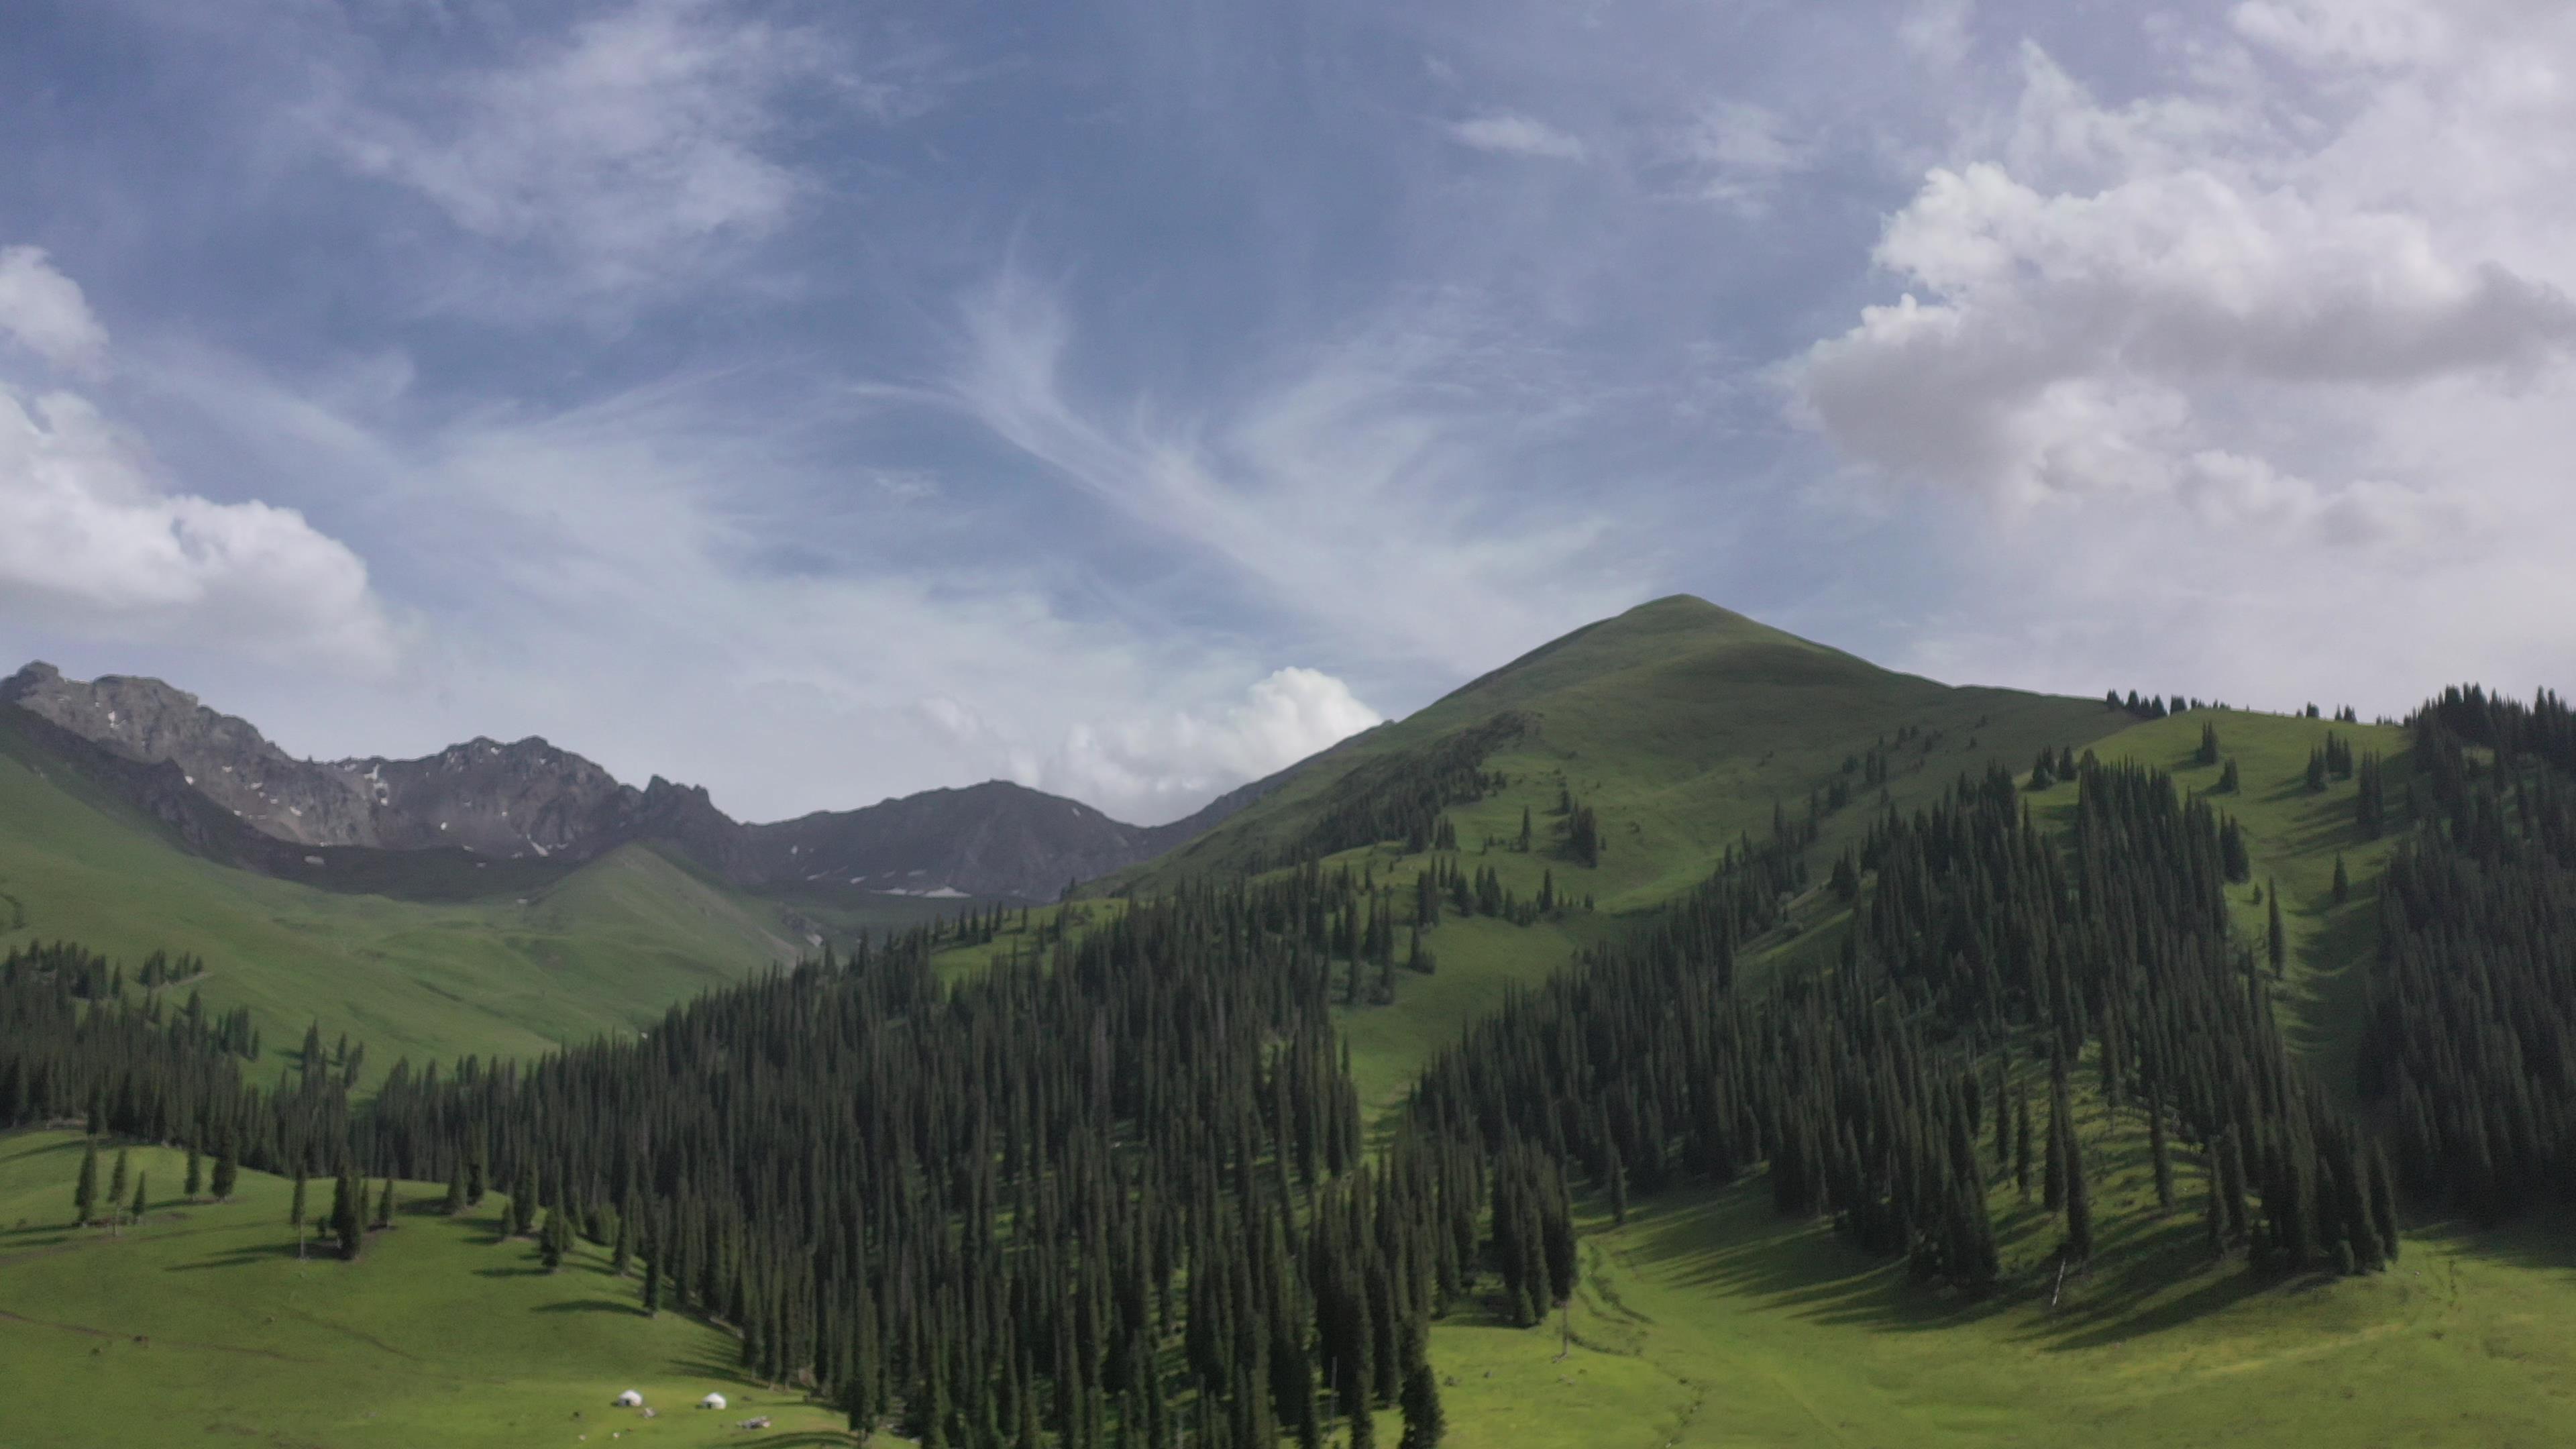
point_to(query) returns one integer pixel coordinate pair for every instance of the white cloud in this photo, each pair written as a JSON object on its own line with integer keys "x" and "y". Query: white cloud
{"x": 1156, "y": 768}
{"x": 631, "y": 145}
{"x": 90, "y": 543}
{"x": 1357, "y": 492}
{"x": 1739, "y": 153}
{"x": 1509, "y": 134}
{"x": 44, "y": 311}
{"x": 2215, "y": 351}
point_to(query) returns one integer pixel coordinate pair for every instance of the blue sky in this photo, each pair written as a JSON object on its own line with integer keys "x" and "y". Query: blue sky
{"x": 822, "y": 402}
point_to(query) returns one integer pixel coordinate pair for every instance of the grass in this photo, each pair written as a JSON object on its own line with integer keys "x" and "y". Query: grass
{"x": 201, "y": 1326}
{"x": 1709, "y": 1320}
{"x": 511, "y": 972}
{"x": 1706, "y": 1320}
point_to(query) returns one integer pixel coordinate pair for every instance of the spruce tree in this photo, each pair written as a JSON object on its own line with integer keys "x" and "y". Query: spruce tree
{"x": 348, "y": 1224}
{"x": 295, "y": 1208}
{"x": 2276, "y": 941}
{"x": 196, "y": 1180}
{"x": 523, "y": 1201}
{"x": 554, "y": 1238}
{"x": 2021, "y": 1144}
{"x": 1424, "y": 1422}
{"x": 385, "y": 1206}
{"x": 455, "y": 1204}
{"x": 139, "y": 1197}
{"x": 227, "y": 1172}
{"x": 2079, "y": 1202}
{"x": 2342, "y": 881}
{"x": 85, "y": 1191}
{"x": 2159, "y": 1151}
{"x": 116, "y": 1185}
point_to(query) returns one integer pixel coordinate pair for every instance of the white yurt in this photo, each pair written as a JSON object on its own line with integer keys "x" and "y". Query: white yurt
{"x": 630, "y": 1400}
{"x": 712, "y": 1401}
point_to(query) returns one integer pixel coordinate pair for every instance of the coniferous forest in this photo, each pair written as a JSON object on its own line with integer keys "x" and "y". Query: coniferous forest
{"x": 1118, "y": 1191}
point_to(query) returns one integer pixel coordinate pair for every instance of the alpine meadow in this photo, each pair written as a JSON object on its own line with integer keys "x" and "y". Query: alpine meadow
{"x": 1350, "y": 948}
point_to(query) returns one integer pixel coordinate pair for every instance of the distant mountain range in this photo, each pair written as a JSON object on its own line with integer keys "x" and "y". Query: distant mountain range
{"x": 230, "y": 793}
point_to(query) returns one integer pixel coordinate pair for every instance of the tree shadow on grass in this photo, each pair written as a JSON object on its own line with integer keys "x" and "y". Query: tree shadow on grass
{"x": 590, "y": 1305}
{"x": 245, "y": 1256}
{"x": 1736, "y": 1245}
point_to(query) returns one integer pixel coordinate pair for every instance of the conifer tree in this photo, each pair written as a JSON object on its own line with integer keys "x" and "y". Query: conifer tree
{"x": 139, "y": 1196}
{"x": 2021, "y": 1145}
{"x": 116, "y": 1185}
{"x": 295, "y": 1208}
{"x": 2342, "y": 881}
{"x": 196, "y": 1180}
{"x": 554, "y": 1238}
{"x": 2079, "y": 1202}
{"x": 523, "y": 1201}
{"x": 385, "y": 1206}
{"x": 2159, "y": 1151}
{"x": 2276, "y": 940}
{"x": 1425, "y": 1424}
{"x": 227, "y": 1172}
{"x": 454, "y": 1206}
{"x": 348, "y": 1226}
{"x": 85, "y": 1191}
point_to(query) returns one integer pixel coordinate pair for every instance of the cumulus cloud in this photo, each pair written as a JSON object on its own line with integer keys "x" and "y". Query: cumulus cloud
{"x": 1508, "y": 134}
{"x": 43, "y": 311}
{"x": 1156, "y": 768}
{"x": 91, "y": 543}
{"x": 2203, "y": 349}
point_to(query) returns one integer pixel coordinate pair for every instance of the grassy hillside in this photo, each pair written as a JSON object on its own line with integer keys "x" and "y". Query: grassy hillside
{"x": 201, "y": 1326}
{"x": 512, "y": 971}
{"x": 1684, "y": 726}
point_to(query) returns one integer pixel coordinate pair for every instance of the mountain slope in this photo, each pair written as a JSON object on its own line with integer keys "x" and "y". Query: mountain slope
{"x": 522, "y": 964}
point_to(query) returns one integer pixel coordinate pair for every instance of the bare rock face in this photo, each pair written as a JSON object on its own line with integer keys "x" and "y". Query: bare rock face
{"x": 530, "y": 800}
{"x": 223, "y": 758}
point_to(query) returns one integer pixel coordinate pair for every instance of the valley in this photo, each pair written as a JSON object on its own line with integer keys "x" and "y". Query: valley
{"x": 1690, "y": 745}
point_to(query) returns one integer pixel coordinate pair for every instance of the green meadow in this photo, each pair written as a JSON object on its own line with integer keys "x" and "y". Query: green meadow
{"x": 201, "y": 1325}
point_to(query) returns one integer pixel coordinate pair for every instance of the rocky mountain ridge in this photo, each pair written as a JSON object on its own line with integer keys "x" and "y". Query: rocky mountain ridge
{"x": 529, "y": 800}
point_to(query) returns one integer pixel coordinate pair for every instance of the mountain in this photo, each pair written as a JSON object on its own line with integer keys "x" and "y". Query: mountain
{"x": 1683, "y": 725}
{"x": 528, "y": 801}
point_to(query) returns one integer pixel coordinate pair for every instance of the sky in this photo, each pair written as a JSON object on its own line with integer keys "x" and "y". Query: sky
{"x": 821, "y": 402}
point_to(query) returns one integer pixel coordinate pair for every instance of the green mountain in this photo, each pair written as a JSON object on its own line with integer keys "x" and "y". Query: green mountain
{"x": 1681, "y": 724}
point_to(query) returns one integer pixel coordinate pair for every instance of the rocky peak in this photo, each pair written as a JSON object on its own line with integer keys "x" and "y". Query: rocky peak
{"x": 527, "y": 798}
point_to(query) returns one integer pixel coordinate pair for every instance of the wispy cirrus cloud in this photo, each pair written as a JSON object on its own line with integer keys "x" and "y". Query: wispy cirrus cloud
{"x": 1508, "y": 133}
